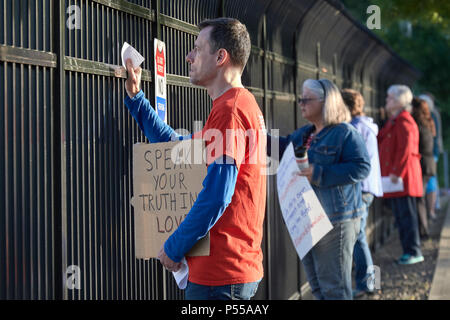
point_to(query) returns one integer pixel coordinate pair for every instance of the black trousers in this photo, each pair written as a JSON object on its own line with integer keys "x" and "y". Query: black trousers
{"x": 405, "y": 213}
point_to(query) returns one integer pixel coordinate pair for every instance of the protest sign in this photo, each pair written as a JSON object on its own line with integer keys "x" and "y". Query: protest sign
{"x": 303, "y": 214}
{"x": 159, "y": 50}
{"x": 167, "y": 179}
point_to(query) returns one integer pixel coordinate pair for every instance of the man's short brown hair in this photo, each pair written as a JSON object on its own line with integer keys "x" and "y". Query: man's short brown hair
{"x": 229, "y": 34}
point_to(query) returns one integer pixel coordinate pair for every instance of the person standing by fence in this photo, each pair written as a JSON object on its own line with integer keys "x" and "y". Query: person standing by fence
{"x": 338, "y": 162}
{"x": 427, "y": 132}
{"x": 231, "y": 205}
{"x": 432, "y": 189}
{"x": 371, "y": 187}
{"x": 398, "y": 143}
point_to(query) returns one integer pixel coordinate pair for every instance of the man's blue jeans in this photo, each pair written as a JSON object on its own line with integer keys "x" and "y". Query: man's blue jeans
{"x": 361, "y": 254}
{"x": 240, "y": 291}
{"x": 328, "y": 264}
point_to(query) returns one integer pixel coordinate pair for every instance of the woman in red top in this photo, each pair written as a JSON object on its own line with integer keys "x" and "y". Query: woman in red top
{"x": 398, "y": 144}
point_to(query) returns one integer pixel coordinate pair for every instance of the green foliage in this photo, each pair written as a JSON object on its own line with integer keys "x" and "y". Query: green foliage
{"x": 436, "y": 12}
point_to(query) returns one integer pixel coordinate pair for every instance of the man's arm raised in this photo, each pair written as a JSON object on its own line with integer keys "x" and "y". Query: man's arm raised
{"x": 150, "y": 123}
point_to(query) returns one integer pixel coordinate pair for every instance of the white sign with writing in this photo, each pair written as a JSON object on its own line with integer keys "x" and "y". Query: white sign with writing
{"x": 160, "y": 79}
{"x": 305, "y": 218}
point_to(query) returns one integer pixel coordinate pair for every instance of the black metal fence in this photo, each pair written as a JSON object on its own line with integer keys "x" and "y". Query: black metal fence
{"x": 66, "y": 138}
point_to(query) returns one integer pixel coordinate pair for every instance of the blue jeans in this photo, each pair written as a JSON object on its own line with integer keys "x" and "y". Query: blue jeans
{"x": 361, "y": 254}
{"x": 240, "y": 291}
{"x": 405, "y": 213}
{"x": 328, "y": 264}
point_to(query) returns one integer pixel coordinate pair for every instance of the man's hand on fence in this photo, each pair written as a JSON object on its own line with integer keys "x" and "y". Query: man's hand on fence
{"x": 133, "y": 83}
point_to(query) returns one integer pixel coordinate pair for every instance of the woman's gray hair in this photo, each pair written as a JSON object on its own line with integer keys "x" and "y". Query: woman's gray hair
{"x": 428, "y": 100}
{"x": 402, "y": 94}
{"x": 334, "y": 109}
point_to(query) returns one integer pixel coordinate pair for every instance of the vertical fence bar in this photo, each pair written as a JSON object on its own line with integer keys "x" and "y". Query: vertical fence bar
{"x": 157, "y": 6}
{"x": 157, "y": 25}
{"x": 3, "y": 206}
{"x": 269, "y": 119}
{"x": 59, "y": 148}
{"x": 318, "y": 59}
{"x": 296, "y": 124}
{"x": 3, "y": 217}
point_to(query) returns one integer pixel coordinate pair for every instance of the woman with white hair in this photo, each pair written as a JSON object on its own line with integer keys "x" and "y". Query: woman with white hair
{"x": 398, "y": 143}
{"x": 338, "y": 162}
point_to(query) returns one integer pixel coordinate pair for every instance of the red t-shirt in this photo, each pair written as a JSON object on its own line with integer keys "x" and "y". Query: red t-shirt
{"x": 235, "y": 127}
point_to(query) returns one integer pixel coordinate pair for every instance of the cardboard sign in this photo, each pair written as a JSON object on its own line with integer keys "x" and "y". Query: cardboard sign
{"x": 166, "y": 183}
{"x": 305, "y": 218}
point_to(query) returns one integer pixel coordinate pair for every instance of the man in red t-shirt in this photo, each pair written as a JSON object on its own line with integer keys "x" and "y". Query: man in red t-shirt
{"x": 231, "y": 205}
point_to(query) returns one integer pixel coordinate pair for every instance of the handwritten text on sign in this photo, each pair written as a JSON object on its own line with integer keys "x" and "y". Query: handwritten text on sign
{"x": 305, "y": 218}
{"x": 166, "y": 183}
{"x": 164, "y": 193}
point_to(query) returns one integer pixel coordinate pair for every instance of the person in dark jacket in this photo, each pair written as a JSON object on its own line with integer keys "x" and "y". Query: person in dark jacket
{"x": 427, "y": 132}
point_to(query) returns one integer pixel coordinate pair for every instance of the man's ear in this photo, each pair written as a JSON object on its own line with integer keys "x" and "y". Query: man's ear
{"x": 222, "y": 57}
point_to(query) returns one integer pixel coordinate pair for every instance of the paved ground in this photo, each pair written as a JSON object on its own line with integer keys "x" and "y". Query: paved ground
{"x": 400, "y": 282}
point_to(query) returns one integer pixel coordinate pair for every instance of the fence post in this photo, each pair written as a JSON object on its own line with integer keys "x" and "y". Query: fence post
{"x": 59, "y": 154}
{"x": 318, "y": 59}
{"x": 157, "y": 19}
{"x": 221, "y": 9}
{"x": 157, "y": 24}
{"x": 296, "y": 76}
{"x": 335, "y": 78}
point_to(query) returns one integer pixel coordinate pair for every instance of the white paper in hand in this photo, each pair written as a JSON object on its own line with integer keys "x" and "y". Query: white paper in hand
{"x": 128, "y": 52}
{"x": 181, "y": 276}
{"x": 388, "y": 186}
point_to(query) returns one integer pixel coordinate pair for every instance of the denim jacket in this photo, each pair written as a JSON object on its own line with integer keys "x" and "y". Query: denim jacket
{"x": 341, "y": 162}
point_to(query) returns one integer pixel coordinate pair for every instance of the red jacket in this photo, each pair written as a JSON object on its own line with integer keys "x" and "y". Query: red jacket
{"x": 398, "y": 145}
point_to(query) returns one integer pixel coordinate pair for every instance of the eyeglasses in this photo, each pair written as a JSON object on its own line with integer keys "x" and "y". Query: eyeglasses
{"x": 306, "y": 100}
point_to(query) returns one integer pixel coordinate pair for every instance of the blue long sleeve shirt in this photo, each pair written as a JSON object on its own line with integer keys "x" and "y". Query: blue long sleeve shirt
{"x": 218, "y": 185}
{"x": 150, "y": 123}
